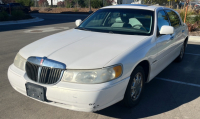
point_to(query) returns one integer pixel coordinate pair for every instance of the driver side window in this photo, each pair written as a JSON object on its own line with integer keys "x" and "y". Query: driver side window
{"x": 162, "y": 19}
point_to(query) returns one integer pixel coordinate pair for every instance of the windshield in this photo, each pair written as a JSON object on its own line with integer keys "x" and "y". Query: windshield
{"x": 120, "y": 21}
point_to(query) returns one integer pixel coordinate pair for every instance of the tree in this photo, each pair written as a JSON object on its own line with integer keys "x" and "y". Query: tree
{"x": 8, "y": 1}
{"x": 69, "y": 3}
{"x": 25, "y": 2}
{"x": 82, "y": 3}
{"x": 42, "y": 3}
{"x": 61, "y": 4}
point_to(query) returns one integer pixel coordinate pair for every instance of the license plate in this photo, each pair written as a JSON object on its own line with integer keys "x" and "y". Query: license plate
{"x": 36, "y": 91}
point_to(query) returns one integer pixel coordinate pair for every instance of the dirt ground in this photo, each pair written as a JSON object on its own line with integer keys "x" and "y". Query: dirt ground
{"x": 60, "y": 10}
{"x": 195, "y": 33}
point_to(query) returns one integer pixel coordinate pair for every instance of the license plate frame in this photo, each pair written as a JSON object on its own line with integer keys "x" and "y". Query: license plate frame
{"x": 36, "y": 91}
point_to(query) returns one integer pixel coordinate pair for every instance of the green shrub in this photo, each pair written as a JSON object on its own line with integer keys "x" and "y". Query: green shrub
{"x": 96, "y": 3}
{"x": 197, "y": 18}
{"x": 192, "y": 19}
{"x": 69, "y": 3}
{"x": 19, "y": 15}
{"x": 82, "y": 3}
{"x": 15, "y": 15}
{"x": 4, "y": 16}
{"x": 192, "y": 16}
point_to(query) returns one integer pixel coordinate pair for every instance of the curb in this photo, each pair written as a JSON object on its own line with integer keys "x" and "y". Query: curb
{"x": 21, "y": 21}
{"x": 83, "y": 13}
{"x": 194, "y": 38}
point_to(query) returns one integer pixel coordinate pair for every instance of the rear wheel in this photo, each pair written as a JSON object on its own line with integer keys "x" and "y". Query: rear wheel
{"x": 135, "y": 87}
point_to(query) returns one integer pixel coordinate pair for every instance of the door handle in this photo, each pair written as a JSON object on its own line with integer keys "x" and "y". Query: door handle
{"x": 172, "y": 37}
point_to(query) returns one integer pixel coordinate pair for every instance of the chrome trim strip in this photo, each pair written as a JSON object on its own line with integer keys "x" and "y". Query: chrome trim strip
{"x": 39, "y": 71}
{"x": 46, "y": 62}
{"x": 35, "y": 60}
{"x": 61, "y": 75}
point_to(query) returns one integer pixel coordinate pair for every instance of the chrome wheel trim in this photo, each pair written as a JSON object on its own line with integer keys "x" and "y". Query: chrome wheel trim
{"x": 136, "y": 86}
{"x": 182, "y": 52}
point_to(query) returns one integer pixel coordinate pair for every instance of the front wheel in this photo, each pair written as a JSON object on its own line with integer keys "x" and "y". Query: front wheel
{"x": 135, "y": 87}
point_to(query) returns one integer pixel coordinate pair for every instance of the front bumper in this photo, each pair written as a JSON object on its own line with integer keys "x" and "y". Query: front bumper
{"x": 79, "y": 97}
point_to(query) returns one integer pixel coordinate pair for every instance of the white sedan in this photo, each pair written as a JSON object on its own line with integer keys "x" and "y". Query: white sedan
{"x": 107, "y": 58}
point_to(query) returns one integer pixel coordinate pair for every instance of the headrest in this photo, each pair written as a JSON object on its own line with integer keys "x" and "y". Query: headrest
{"x": 118, "y": 20}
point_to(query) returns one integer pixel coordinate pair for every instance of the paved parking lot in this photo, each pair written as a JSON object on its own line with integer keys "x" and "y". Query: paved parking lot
{"x": 173, "y": 94}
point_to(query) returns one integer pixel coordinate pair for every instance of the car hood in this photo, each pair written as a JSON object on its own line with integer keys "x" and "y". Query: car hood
{"x": 80, "y": 49}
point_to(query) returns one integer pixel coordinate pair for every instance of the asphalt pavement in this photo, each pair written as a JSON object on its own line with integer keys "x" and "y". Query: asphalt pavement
{"x": 173, "y": 94}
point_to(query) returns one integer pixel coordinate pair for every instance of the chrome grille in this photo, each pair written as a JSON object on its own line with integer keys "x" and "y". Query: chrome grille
{"x": 32, "y": 71}
{"x": 43, "y": 74}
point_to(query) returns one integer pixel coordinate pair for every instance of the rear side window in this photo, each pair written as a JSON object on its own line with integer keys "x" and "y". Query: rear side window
{"x": 174, "y": 19}
{"x": 162, "y": 19}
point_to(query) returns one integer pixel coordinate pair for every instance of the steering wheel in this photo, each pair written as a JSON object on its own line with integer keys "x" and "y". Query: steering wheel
{"x": 140, "y": 26}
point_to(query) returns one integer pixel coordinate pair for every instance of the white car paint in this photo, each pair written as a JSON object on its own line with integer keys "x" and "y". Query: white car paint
{"x": 167, "y": 30}
{"x": 78, "y": 50}
{"x": 78, "y": 22}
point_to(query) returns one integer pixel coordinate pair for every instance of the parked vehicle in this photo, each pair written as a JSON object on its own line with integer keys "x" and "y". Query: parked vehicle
{"x": 193, "y": 4}
{"x": 2, "y": 7}
{"x": 107, "y": 58}
{"x": 17, "y": 6}
{"x": 182, "y": 4}
{"x": 197, "y": 6}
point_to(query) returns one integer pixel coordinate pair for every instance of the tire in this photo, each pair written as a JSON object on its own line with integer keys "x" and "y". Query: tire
{"x": 181, "y": 55}
{"x": 131, "y": 98}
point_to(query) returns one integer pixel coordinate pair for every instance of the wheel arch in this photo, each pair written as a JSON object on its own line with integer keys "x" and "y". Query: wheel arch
{"x": 186, "y": 41}
{"x": 146, "y": 66}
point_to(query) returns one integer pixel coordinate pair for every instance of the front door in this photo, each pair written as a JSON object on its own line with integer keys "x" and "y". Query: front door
{"x": 164, "y": 42}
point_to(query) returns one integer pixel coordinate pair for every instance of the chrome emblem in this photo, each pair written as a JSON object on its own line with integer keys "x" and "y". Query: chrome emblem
{"x": 41, "y": 61}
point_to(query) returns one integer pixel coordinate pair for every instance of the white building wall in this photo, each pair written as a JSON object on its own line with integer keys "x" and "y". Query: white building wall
{"x": 114, "y": 2}
{"x": 127, "y": 1}
{"x": 54, "y": 1}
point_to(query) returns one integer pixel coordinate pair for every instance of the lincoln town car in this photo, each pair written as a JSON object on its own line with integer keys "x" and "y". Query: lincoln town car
{"x": 107, "y": 58}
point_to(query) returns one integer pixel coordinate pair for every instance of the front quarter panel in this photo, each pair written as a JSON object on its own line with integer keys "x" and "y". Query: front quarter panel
{"x": 146, "y": 50}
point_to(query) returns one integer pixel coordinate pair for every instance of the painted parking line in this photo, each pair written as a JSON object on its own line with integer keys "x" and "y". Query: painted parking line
{"x": 179, "y": 82}
{"x": 192, "y": 54}
{"x": 194, "y": 39}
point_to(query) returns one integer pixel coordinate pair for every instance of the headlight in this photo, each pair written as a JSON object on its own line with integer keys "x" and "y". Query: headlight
{"x": 20, "y": 62}
{"x": 92, "y": 76}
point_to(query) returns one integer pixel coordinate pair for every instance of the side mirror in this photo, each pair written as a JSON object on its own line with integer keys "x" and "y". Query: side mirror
{"x": 78, "y": 22}
{"x": 167, "y": 30}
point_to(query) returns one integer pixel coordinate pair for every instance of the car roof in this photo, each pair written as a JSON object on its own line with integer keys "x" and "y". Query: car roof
{"x": 134, "y": 6}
